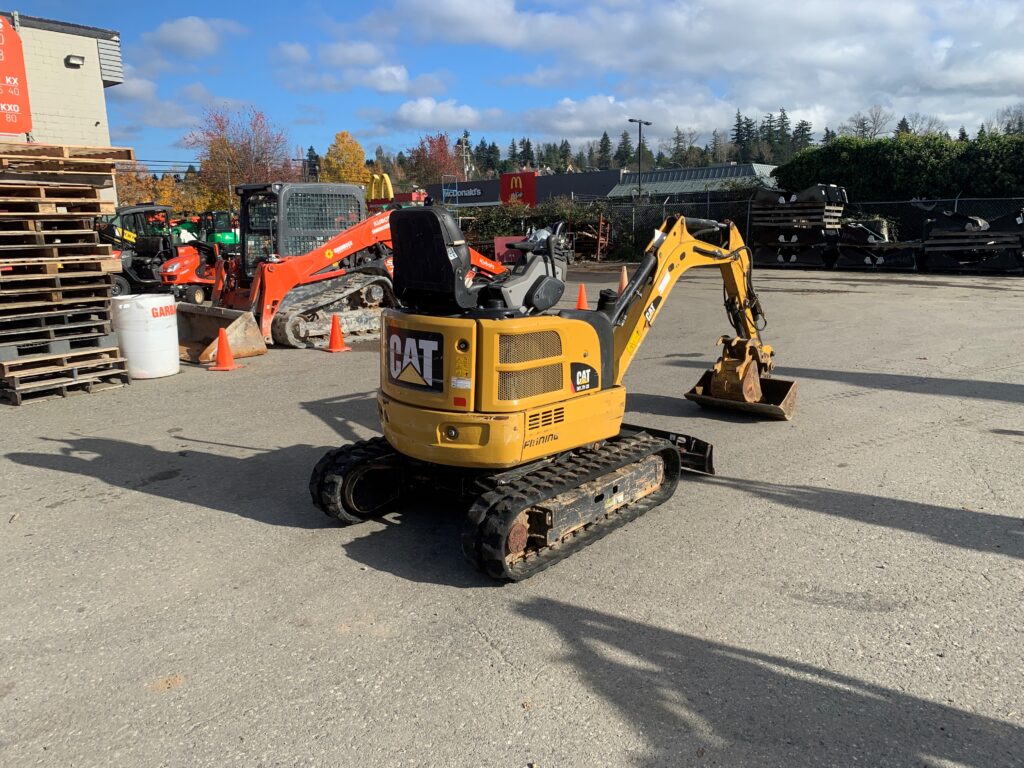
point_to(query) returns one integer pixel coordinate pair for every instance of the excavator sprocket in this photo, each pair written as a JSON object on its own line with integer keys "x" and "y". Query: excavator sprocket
{"x": 356, "y": 298}
{"x": 521, "y": 527}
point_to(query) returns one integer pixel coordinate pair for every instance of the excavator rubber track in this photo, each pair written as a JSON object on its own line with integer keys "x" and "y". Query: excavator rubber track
{"x": 307, "y": 322}
{"x": 596, "y": 491}
{"x": 542, "y": 513}
{"x": 339, "y": 469}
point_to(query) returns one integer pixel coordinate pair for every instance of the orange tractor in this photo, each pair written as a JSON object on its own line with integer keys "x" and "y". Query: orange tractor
{"x": 306, "y": 252}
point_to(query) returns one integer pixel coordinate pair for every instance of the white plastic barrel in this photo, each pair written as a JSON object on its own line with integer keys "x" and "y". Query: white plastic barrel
{"x": 147, "y": 330}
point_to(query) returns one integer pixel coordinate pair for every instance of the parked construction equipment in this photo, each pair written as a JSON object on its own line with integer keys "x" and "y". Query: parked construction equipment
{"x": 486, "y": 397}
{"x": 141, "y": 236}
{"x": 301, "y": 261}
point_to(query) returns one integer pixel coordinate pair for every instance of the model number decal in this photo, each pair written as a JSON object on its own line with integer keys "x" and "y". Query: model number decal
{"x": 583, "y": 377}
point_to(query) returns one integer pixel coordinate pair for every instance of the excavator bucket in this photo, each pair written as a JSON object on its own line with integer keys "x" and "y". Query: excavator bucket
{"x": 736, "y": 383}
{"x": 198, "y": 328}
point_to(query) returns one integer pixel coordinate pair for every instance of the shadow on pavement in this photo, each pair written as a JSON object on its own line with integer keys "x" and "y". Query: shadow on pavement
{"x": 697, "y": 702}
{"x": 678, "y": 407}
{"x": 269, "y": 486}
{"x": 969, "y": 529}
{"x": 419, "y": 544}
{"x": 341, "y": 413}
{"x": 923, "y": 385}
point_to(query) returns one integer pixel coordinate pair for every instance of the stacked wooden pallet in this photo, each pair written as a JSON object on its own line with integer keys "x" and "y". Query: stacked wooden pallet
{"x": 55, "y": 277}
{"x": 797, "y": 215}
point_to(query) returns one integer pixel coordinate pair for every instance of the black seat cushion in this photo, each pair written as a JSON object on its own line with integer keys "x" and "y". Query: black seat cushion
{"x": 431, "y": 260}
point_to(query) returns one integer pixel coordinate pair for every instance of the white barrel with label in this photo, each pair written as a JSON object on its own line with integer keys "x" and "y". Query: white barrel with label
{"x": 147, "y": 329}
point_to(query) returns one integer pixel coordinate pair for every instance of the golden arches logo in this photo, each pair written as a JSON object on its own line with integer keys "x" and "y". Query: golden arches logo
{"x": 516, "y": 182}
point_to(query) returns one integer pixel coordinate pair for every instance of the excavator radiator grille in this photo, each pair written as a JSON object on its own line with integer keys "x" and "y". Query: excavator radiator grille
{"x": 517, "y": 385}
{"x": 546, "y": 418}
{"x": 526, "y": 347}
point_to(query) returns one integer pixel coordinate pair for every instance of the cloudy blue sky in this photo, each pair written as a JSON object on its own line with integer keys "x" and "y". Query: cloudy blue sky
{"x": 391, "y": 70}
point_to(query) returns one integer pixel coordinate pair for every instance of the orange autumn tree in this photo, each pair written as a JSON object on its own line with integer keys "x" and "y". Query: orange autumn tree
{"x": 345, "y": 161}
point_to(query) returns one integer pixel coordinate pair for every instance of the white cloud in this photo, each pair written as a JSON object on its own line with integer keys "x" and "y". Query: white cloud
{"x": 348, "y": 53}
{"x": 428, "y": 114}
{"x": 191, "y": 36}
{"x": 133, "y": 89}
{"x": 959, "y": 59}
{"x": 201, "y": 95}
{"x": 293, "y": 53}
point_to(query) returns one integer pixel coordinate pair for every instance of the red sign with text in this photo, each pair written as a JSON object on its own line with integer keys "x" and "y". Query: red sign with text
{"x": 519, "y": 188}
{"x": 15, "y": 113}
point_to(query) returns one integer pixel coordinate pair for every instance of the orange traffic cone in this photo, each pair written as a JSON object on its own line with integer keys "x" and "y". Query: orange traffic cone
{"x": 623, "y": 280}
{"x": 337, "y": 342}
{"x": 581, "y": 299}
{"x": 225, "y": 360}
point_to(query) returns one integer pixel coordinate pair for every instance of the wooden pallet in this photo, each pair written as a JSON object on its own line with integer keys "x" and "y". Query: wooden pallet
{"x": 28, "y": 329}
{"x": 974, "y": 241}
{"x": 21, "y": 308}
{"x": 21, "y": 208}
{"x": 23, "y": 190}
{"x": 46, "y": 376}
{"x": 797, "y": 215}
{"x": 70, "y": 265}
{"x": 63, "y": 222}
{"x": 21, "y": 150}
{"x": 41, "y": 376}
{"x": 53, "y": 250}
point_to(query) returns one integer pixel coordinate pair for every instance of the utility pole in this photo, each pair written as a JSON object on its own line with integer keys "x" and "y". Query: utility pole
{"x": 639, "y": 151}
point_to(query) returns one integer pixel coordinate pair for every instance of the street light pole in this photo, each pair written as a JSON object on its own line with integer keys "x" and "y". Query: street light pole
{"x": 639, "y": 151}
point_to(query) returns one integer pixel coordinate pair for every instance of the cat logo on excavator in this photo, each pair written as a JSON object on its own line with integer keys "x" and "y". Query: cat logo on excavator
{"x": 416, "y": 359}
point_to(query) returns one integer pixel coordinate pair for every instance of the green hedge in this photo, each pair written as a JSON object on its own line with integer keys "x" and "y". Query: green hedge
{"x": 911, "y": 166}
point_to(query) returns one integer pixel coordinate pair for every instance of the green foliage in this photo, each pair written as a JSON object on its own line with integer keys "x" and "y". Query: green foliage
{"x": 908, "y": 166}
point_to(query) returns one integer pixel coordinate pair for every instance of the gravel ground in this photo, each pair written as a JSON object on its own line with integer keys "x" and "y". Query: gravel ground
{"x": 847, "y": 590}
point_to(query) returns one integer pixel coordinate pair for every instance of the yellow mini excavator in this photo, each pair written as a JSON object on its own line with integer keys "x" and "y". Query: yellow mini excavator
{"x": 488, "y": 398}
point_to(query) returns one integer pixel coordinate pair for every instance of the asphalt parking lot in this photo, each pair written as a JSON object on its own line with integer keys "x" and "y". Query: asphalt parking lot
{"x": 846, "y": 591}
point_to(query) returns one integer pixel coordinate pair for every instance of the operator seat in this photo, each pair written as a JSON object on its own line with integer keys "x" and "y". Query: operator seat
{"x": 432, "y": 262}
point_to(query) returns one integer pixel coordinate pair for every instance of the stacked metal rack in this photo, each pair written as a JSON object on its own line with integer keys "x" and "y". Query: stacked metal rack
{"x": 801, "y": 231}
{"x": 814, "y": 229}
{"x": 56, "y": 337}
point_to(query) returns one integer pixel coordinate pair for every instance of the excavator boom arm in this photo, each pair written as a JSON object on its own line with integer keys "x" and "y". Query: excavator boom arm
{"x": 746, "y": 361}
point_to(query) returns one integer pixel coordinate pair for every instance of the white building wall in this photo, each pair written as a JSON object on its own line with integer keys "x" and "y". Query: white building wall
{"x": 68, "y": 105}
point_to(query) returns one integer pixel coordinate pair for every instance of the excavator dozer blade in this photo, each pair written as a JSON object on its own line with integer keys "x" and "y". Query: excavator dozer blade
{"x": 198, "y": 328}
{"x": 777, "y": 397}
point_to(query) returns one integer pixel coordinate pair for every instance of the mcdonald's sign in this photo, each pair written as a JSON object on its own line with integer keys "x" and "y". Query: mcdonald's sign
{"x": 519, "y": 188}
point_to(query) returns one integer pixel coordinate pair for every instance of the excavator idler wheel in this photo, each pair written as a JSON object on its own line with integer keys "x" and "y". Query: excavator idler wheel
{"x": 357, "y": 482}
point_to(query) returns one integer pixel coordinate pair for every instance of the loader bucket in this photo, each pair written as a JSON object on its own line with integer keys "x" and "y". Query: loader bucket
{"x": 777, "y": 397}
{"x": 197, "y": 332}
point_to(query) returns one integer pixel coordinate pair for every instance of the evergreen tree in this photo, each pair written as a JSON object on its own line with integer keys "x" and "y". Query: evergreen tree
{"x": 579, "y": 161}
{"x": 646, "y": 157}
{"x": 513, "y": 155}
{"x": 982, "y": 133}
{"x": 604, "y": 152}
{"x": 962, "y": 136}
{"x": 482, "y": 157}
{"x": 829, "y": 136}
{"x": 802, "y": 136}
{"x": 783, "y": 137}
{"x": 902, "y": 127}
{"x": 624, "y": 151}
{"x": 526, "y": 156}
{"x": 564, "y": 154}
